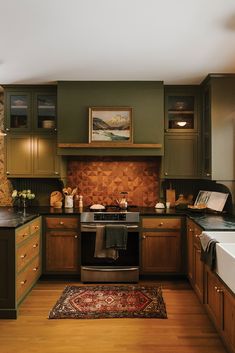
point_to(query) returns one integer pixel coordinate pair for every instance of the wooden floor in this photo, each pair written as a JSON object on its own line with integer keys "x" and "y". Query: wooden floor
{"x": 187, "y": 329}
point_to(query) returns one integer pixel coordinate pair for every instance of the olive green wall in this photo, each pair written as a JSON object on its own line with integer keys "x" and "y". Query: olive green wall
{"x": 146, "y": 99}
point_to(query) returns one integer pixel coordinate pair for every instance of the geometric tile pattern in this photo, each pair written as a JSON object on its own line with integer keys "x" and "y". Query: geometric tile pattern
{"x": 101, "y": 179}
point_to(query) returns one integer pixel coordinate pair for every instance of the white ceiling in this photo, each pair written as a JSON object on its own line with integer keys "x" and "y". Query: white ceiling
{"x": 177, "y": 41}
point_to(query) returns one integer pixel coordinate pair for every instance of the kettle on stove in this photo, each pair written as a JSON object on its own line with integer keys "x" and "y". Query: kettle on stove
{"x": 122, "y": 203}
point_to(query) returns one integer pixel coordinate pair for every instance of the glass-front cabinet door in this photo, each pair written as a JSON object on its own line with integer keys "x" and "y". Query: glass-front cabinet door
{"x": 32, "y": 108}
{"x": 180, "y": 111}
{"x": 18, "y": 111}
{"x": 45, "y": 107}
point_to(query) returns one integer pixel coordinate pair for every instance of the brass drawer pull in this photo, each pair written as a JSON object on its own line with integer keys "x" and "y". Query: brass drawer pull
{"x": 23, "y": 256}
{"x": 35, "y": 245}
{"x": 23, "y": 282}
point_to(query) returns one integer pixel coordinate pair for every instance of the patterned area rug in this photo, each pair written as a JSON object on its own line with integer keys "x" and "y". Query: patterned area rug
{"x": 96, "y": 302}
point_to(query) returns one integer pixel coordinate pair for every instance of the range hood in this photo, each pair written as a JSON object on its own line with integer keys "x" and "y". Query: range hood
{"x": 75, "y": 100}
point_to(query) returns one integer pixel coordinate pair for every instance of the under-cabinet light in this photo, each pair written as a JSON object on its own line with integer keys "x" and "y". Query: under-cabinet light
{"x": 181, "y": 123}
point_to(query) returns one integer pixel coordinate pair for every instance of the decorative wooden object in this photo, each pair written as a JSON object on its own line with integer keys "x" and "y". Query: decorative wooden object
{"x": 55, "y": 198}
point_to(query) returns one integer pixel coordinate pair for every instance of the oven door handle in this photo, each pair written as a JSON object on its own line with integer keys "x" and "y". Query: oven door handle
{"x": 109, "y": 269}
{"x": 84, "y": 226}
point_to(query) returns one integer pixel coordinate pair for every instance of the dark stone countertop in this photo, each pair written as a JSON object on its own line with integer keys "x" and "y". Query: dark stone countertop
{"x": 12, "y": 218}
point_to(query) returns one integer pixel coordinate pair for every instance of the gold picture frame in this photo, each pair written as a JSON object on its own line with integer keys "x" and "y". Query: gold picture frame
{"x": 110, "y": 125}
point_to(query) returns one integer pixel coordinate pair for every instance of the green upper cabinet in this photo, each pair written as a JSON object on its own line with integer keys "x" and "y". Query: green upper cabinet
{"x": 182, "y": 138}
{"x": 32, "y": 156}
{"x": 45, "y": 110}
{"x": 181, "y": 108}
{"x": 30, "y": 122}
{"x": 181, "y": 156}
{"x": 145, "y": 98}
{"x": 30, "y": 108}
{"x": 217, "y": 160}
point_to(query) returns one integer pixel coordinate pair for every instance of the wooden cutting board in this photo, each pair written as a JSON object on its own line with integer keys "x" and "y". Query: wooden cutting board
{"x": 170, "y": 197}
{"x": 55, "y": 197}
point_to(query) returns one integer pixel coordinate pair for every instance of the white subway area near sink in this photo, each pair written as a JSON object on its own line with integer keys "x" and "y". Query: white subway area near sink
{"x": 225, "y": 263}
{"x": 225, "y": 256}
{"x": 222, "y": 237}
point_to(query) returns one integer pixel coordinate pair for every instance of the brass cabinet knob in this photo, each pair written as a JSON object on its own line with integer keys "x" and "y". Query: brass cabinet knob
{"x": 7, "y": 173}
{"x": 56, "y": 173}
{"x": 208, "y": 174}
{"x": 161, "y": 224}
{"x": 144, "y": 237}
{"x": 36, "y": 227}
{"x": 23, "y": 282}
{"x": 166, "y": 173}
{"x": 35, "y": 269}
{"x": 61, "y": 223}
{"x": 35, "y": 245}
{"x": 23, "y": 256}
{"x": 75, "y": 236}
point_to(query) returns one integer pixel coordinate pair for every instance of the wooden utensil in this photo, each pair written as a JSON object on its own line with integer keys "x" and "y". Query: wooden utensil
{"x": 170, "y": 196}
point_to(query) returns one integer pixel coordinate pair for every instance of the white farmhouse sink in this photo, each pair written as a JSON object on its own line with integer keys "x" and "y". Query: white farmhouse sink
{"x": 225, "y": 263}
{"x": 222, "y": 237}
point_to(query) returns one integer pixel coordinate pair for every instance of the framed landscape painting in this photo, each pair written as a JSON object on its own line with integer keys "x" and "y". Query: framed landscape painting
{"x": 110, "y": 124}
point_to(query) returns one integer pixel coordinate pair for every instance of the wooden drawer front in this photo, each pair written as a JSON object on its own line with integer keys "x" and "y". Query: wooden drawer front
{"x": 22, "y": 233}
{"x": 35, "y": 225}
{"x": 166, "y": 223}
{"x": 25, "y": 279}
{"x": 27, "y": 252}
{"x": 61, "y": 222}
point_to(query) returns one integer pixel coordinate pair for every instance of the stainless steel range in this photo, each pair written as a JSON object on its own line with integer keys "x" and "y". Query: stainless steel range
{"x": 120, "y": 265}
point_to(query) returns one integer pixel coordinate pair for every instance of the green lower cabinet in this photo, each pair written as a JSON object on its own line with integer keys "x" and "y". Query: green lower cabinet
{"x": 31, "y": 156}
{"x": 20, "y": 264}
{"x": 181, "y": 156}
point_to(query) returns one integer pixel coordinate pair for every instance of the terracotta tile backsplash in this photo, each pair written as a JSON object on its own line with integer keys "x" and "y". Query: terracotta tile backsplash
{"x": 101, "y": 179}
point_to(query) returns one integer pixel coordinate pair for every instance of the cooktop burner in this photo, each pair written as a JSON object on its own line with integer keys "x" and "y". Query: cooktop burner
{"x": 116, "y": 208}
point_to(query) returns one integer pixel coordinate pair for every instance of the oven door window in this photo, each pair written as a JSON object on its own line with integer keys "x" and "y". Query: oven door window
{"x": 128, "y": 257}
